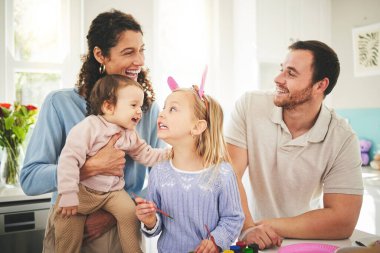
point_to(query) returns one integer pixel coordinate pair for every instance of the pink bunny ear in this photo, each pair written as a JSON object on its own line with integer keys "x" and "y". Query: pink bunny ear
{"x": 172, "y": 83}
{"x": 201, "y": 89}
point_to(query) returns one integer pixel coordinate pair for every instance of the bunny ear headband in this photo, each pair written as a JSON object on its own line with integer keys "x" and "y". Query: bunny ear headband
{"x": 200, "y": 91}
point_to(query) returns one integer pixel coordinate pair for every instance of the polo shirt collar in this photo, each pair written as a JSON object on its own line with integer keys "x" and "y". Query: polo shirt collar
{"x": 317, "y": 133}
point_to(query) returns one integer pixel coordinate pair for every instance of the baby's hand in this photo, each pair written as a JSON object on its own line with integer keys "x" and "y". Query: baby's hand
{"x": 68, "y": 211}
{"x": 146, "y": 212}
{"x": 206, "y": 246}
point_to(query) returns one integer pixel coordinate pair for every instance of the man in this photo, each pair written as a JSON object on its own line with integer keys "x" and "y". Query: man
{"x": 297, "y": 150}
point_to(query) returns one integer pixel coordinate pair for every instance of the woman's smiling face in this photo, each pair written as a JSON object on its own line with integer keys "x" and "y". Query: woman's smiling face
{"x": 127, "y": 57}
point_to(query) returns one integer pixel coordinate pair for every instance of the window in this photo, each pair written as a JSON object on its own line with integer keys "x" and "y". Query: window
{"x": 181, "y": 43}
{"x": 190, "y": 34}
{"x": 38, "y": 50}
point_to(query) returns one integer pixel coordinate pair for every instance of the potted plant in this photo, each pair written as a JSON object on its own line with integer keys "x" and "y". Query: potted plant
{"x": 14, "y": 125}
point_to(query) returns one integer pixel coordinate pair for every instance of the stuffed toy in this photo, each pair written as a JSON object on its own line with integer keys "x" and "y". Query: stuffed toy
{"x": 365, "y": 146}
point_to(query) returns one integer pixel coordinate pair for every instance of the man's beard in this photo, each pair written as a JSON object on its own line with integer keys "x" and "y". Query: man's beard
{"x": 294, "y": 99}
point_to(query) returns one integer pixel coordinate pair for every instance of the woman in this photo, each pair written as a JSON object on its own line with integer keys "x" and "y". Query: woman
{"x": 115, "y": 46}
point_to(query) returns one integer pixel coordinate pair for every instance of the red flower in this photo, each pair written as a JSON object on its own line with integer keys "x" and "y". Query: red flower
{"x": 15, "y": 123}
{"x": 31, "y": 107}
{"x": 5, "y": 105}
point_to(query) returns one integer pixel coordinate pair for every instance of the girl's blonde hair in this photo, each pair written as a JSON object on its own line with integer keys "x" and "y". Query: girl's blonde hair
{"x": 210, "y": 144}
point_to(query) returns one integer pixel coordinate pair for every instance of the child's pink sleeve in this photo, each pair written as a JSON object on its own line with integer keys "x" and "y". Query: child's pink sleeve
{"x": 145, "y": 154}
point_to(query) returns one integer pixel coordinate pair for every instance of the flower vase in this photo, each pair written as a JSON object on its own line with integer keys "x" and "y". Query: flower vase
{"x": 11, "y": 162}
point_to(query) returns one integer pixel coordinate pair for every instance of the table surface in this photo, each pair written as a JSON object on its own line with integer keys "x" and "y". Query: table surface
{"x": 356, "y": 236}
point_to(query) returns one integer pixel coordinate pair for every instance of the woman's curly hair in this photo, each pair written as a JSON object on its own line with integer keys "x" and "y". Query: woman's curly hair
{"x": 104, "y": 33}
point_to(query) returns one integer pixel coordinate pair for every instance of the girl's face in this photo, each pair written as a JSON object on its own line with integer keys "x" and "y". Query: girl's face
{"x": 127, "y": 57}
{"x": 127, "y": 111}
{"x": 177, "y": 118}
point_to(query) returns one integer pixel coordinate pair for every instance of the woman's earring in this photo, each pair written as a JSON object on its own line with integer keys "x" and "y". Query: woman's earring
{"x": 102, "y": 68}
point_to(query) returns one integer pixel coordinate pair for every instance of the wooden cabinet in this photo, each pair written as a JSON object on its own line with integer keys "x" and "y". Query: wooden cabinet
{"x": 281, "y": 22}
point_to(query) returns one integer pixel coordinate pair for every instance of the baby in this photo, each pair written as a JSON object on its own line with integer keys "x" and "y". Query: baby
{"x": 115, "y": 108}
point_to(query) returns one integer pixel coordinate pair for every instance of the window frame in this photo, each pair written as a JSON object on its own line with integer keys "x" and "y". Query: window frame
{"x": 68, "y": 68}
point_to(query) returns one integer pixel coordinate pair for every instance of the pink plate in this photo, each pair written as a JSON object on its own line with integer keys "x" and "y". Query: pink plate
{"x": 308, "y": 248}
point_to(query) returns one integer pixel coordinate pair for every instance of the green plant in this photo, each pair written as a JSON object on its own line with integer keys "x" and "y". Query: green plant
{"x": 14, "y": 126}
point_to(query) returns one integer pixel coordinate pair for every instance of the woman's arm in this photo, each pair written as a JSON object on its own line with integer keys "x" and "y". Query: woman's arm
{"x": 39, "y": 172}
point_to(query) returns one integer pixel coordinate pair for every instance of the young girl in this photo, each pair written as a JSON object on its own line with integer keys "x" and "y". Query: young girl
{"x": 115, "y": 104}
{"x": 197, "y": 186}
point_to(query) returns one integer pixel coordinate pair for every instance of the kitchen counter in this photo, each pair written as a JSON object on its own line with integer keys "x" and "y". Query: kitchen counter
{"x": 369, "y": 219}
{"x": 22, "y": 220}
{"x": 16, "y": 194}
{"x": 371, "y": 177}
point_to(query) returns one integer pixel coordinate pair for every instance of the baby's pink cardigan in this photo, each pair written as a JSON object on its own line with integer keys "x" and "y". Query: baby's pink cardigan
{"x": 85, "y": 139}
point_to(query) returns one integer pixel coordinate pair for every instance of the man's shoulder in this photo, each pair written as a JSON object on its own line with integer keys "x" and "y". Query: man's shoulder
{"x": 339, "y": 131}
{"x": 340, "y": 124}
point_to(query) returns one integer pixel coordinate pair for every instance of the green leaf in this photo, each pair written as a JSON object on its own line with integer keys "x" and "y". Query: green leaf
{"x": 9, "y": 122}
{"x": 24, "y": 111}
{"x": 6, "y": 112}
{"x": 20, "y": 133}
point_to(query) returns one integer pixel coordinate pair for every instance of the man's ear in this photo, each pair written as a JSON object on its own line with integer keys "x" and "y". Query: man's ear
{"x": 108, "y": 108}
{"x": 323, "y": 84}
{"x": 98, "y": 54}
{"x": 199, "y": 127}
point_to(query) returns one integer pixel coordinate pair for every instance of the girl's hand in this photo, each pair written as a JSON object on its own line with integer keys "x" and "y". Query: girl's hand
{"x": 68, "y": 211}
{"x": 206, "y": 246}
{"x": 146, "y": 212}
{"x": 107, "y": 161}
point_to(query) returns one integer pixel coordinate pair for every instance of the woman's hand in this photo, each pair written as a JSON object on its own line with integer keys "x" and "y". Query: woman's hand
{"x": 206, "y": 246}
{"x": 97, "y": 224}
{"x": 108, "y": 161}
{"x": 146, "y": 212}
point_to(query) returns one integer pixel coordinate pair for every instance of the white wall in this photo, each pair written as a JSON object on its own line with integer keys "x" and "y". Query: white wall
{"x": 351, "y": 91}
{"x": 231, "y": 55}
{"x": 142, "y": 11}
